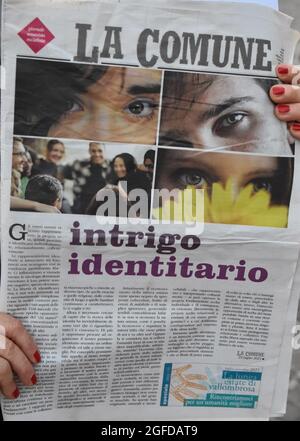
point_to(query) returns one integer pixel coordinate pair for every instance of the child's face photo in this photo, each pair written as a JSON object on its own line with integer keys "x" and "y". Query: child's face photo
{"x": 87, "y": 102}
{"x": 214, "y": 111}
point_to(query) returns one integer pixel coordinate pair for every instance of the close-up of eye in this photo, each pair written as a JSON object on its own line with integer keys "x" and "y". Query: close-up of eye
{"x": 262, "y": 184}
{"x": 193, "y": 178}
{"x": 230, "y": 121}
{"x": 141, "y": 107}
{"x": 73, "y": 106}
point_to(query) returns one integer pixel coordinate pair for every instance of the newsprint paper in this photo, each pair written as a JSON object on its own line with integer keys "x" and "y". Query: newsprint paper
{"x": 150, "y": 208}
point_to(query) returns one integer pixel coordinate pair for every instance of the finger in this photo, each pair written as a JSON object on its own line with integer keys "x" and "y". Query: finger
{"x": 295, "y": 130}
{"x": 285, "y": 94}
{"x": 15, "y": 331}
{"x": 288, "y": 112}
{"x": 288, "y": 73}
{"x": 18, "y": 362}
{"x": 8, "y": 386}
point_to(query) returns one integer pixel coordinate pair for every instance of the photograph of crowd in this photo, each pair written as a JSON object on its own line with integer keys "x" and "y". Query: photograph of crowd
{"x": 80, "y": 101}
{"x": 58, "y": 176}
{"x": 221, "y": 112}
{"x": 240, "y": 189}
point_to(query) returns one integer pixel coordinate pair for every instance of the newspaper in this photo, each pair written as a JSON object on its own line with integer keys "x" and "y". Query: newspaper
{"x": 142, "y": 309}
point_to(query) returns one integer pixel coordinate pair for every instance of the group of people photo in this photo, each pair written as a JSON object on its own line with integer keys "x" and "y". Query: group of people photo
{"x": 54, "y": 176}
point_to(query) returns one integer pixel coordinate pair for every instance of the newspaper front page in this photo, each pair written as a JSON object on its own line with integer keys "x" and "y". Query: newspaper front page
{"x": 149, "y": 208}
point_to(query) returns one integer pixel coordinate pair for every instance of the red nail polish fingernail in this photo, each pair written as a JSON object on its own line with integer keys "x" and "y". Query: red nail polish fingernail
{"x": 16, "y": 394}
{"x": 296, "y": 127}
{"x": 283, "y": 108}
{"x": 37, "y": 357}
{"x": 278, "y": 90}
{"x": 33, "y": 379}
{"x": 283, "y": 70}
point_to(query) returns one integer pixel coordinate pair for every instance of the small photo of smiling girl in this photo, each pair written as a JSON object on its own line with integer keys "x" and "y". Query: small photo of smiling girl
{"x": 239, "y": 189}
{"x": 221, "y": 112}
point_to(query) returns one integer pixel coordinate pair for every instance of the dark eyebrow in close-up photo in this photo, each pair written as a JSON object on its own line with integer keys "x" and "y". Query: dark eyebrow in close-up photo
{"x": 137, "y": 89}
{"x": 216, "y": 109}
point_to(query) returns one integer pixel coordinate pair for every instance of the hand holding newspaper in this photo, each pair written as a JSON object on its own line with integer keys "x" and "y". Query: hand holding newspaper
{"x": 152, "y": 240}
